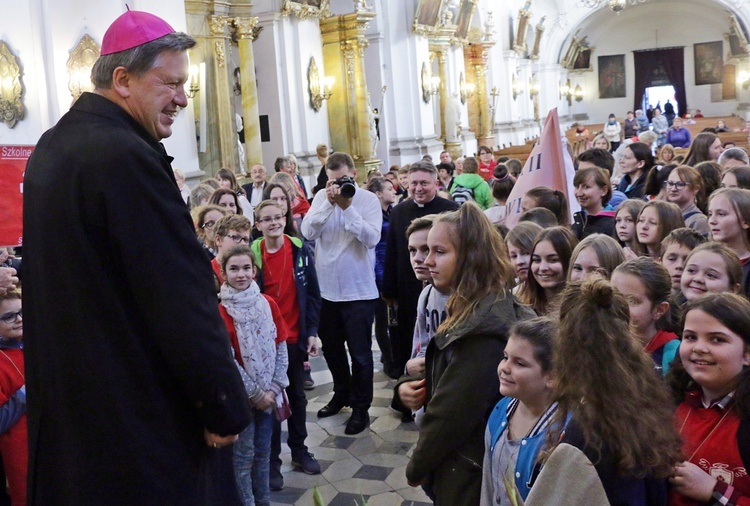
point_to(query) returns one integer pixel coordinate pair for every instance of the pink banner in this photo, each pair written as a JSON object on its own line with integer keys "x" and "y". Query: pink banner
{"x": 550, "y": 165}
{"x": 12, "y": 166}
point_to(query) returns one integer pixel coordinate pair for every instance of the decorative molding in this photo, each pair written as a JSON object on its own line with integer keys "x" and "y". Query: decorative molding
{"x": 245, "y": 28}
{"x": 306, "y": 11}
{"x": 218, "y": 25}
{"x": 220, "y": 55}
{"x": 79, "y": 64}
{"x": 11, "y": 105}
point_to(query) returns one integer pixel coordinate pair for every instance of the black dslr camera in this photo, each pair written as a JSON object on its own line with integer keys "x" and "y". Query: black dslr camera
{"x": 347, "y": 185}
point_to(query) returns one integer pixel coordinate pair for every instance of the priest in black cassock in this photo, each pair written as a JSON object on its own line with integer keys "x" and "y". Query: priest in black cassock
{"x": 400, "y": 285}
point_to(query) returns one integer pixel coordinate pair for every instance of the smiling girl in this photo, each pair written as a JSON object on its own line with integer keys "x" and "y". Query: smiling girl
{"x": 520, "y": 241}
{"x": 711, "y": 267}
{"x": 593, "y": 190}
{"x": 655, "y": 221}
{"x": 684, "y": 189}
{"x": 550, "y": 259}
{"x": 729, "y": 220}
{"x": 517, "y": 427}
{"x": 263, "y": 357}
{"x": 467, "y": 259}
{"x": 713, "y": 385}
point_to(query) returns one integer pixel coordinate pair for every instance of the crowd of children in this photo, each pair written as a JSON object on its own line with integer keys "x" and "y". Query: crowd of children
{"x": 600, "y": 358}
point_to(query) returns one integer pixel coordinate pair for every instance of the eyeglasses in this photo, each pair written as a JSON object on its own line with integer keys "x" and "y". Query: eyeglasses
{"x": 680, "y": 185}
{"x": 238, "y": 239}
{"x": 11, "y": 317}
{"x": 209, "y": 225}
{"x": 272, "y": 219}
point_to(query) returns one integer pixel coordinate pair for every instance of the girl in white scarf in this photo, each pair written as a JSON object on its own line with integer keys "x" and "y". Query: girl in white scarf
{"x": 253, "y": 336}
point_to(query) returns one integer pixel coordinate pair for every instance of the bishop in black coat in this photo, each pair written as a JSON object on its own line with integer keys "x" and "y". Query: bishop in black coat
{"x": 127, "y": 359}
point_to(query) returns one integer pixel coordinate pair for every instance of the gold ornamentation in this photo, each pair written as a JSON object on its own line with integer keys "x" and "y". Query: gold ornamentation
{"x": 220, "y": 56}
{"x": 524, "y": 15}
{"x": 218, "y": 25}
{"x": 245, "y": 27}
{"x": 79, "y": 64}
{"x": 427, "y": 18}
{"x": 305, "y": 11}
{"x": 11, "y": 106}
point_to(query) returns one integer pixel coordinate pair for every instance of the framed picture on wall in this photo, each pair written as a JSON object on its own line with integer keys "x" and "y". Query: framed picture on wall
{"x": 463, "y": 20}
{"x": 612, "y": 76}
{"x": 306, "y": 9}
{"x": 427, "y": 16}
{"x": 582, "y": 60}
{"x": 709, "y": 62}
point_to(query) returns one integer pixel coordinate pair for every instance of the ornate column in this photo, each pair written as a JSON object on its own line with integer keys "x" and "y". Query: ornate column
{"x": 438, "y": 52}
{"x": 480, "y": 120}
{"x": 350, "y": 116}
{"x": 246, "y": 34}
{"x": 223, "y": 112}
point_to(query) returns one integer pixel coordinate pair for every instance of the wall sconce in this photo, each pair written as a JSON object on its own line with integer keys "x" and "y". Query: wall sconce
{"x": 79, "y": 65}
{"x": 534, "y": 86}
{"x": 320, "y": 88}
{"x": 515, "y": 88}
{"x": 426, "y": 78}
{"x": 566, "y": 92}
{"x": 194, "y": 81}
{"x": 466, "y": 90}
{"x": 434, "y": 85}
{"x": 744, "y": 79}
{"x": 11, "y": 106}
{"x": 578, "y": 93}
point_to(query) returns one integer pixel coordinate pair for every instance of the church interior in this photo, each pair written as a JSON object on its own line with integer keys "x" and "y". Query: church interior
{"x": 389, "y": 81}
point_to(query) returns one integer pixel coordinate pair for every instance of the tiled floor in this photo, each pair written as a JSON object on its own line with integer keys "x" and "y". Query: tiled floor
{"x": 368, "y": 466}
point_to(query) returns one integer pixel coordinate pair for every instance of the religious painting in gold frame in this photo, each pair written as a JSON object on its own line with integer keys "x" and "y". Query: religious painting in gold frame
{"x": 427, "y": 16}
{"x": 306, "y": 9}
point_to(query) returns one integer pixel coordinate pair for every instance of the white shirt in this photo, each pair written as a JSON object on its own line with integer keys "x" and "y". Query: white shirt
{"x": 256, "y": 195}
{"x": 345, "y": 245}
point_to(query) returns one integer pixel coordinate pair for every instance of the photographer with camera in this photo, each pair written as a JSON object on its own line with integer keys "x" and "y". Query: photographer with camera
{"x": 345, "y": 222}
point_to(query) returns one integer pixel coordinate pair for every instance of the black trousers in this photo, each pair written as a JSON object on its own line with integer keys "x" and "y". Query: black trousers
{"x": 349, "y": 325}
{"x": 298, "y": 402}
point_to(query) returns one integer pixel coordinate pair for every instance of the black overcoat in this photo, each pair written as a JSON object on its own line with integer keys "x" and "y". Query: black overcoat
{"x": 127, "y": 358}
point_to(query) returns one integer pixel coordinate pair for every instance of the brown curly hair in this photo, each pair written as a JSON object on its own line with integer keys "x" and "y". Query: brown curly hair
{"x": 607, "y": 383}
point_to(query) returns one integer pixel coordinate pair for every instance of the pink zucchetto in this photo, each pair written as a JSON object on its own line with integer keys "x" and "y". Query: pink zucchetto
{"x": 132, "y": 29}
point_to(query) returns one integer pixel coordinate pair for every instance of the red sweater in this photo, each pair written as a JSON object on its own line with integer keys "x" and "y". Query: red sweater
{"x": 14, "y": 443}
{"x": 710, "y": 437}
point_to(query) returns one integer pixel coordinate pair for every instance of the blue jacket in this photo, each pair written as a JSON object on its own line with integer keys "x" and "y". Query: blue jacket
{"x": 529, "y": 449}
{"x": 308, "y": 291}
{"x": 380, "y": 250}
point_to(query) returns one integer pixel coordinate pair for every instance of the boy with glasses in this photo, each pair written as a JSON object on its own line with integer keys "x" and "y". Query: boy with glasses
{"x": 286, "y": 273}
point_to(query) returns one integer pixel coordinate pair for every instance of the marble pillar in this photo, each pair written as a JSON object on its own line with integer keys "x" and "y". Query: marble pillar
{"x": 480, "y": 118}
{"x": 245, "y": 37}
{"x": 350, "y": 115}
{"x": 220, "y": 87}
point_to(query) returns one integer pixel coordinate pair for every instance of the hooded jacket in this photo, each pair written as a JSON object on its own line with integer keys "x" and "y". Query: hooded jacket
{"x": 482, "y": 192}
{"x": 306, "y": 280}
{"x": 462, "y": 388}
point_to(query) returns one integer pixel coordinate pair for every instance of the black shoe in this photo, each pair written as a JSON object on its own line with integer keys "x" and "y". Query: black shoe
{"x": 358, "y": 422}
{"x": 275, "y": 479}
{"x": 309, "y": 383}
{"x": 332, "y": 408}
{"x": 306, "y": 461}
{"x": 407, "y": 417}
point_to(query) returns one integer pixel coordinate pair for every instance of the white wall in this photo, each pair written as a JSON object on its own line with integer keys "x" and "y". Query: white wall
{"x": 42, "y": 33}
{"x": 648, "y": 26}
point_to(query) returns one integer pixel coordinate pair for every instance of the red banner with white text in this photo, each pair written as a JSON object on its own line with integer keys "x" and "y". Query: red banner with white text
{"x": 12, "y": 167}
{"x": 550, "y": 165}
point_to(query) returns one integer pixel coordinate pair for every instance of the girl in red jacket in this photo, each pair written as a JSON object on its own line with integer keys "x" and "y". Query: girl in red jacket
{"x": 713, "y": 385}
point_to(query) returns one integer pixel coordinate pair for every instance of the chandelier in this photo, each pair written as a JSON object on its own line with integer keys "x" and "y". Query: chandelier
{"x": 615, "y": 5}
